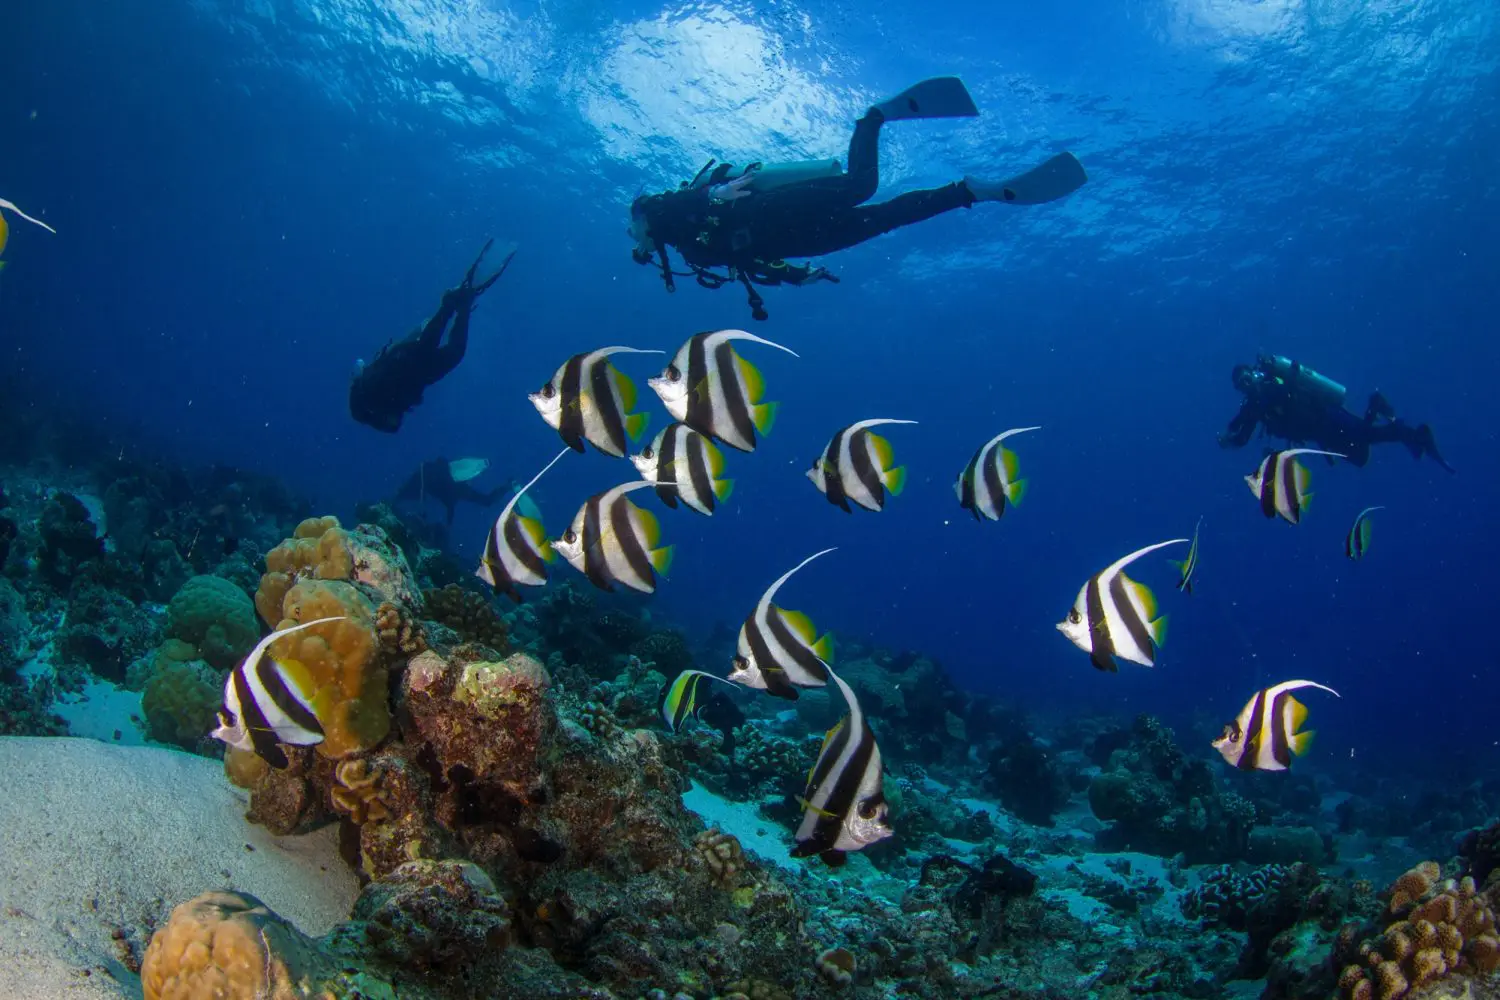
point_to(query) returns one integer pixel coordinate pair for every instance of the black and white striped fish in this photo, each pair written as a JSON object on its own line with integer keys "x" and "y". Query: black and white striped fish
{"x": 1264, "y": 736}
{"x": 844, "y": 807}
{"x": 989, "y": 481}
{"x": 716, "y": 392}
{"x": 1189, "y": 566}
{"x": 1115, "y": 616}
{"x": 516, "y": 552}
{"x": 858, "y": 465}
{"x": 269, "y": 701}
{"x": 778, "y": 650}
{"x": 1358, "y": 542}
{"x": 589, "y": 399}
{"x": 685, "y": 464}
{"x": 682, "y": 699}
{"x": 613, "y": 541}
{"x": 1280, "y": 483}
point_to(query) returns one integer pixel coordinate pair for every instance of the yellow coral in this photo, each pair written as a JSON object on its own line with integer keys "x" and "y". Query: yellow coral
{"x": 358, "y": 792}
{"x": 723, "y": 855}
{"x": 1440, "y": 909}
{"x": 349, "y": 681}
{"x": 1353, "y": 985}
{"x": 837, "y": 966}
{"x": 1484, "y": 952}
{"x": 318, "y": 549}
{"x": 1414, "y": 885}
{"x": 244, "y": 768}
{"x": 1426, "y": 966}
{"x": 1390, "y": 981}
{"x": 1398, "y": 945}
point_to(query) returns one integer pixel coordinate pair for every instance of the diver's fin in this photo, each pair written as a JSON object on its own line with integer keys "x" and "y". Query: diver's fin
{"x": 940, "y": 97}
{"x": 1057, "y": 178}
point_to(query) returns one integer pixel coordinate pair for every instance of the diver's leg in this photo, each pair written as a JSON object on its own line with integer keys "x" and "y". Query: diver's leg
{"x": 432, "y": 332}
{"x": 862, "y": 175}
{"x": 868, "y": 221}
{"x": 447, "y": 357}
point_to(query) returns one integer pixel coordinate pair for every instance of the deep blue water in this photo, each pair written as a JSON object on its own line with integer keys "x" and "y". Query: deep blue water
{"x": 251, "y": 195}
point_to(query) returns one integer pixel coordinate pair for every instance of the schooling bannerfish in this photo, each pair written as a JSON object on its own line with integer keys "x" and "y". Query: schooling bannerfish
{"x": 589, "y": 399}
{"x": 1358, "y": 541}
{"x": 716, "y": 392}
{"x": 516, "y": 551}
{"x": 1114, "y": 615}
{"x": 269, "y": 701}
{"x": 844, "y": 807}
{"x": 613, "y": 541}
{"x": 682, "y": 700}
{"x": 778, "y": 650}
{"x": 1187, "y": 567}
{"x": 1264, "y": 736}
{"x": 989, "y": 481}
{"x": 685, "y": 464}
{"x": 859, "y": 465}
{"x": 1280, "y": 483}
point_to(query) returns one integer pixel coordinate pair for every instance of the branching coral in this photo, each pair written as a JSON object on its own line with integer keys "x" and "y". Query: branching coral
{"x": 468, "y": 614}
{"x": 1446, "y": 927}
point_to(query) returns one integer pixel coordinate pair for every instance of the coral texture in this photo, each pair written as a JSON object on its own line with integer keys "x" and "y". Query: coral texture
{"x": 216, "y": 618}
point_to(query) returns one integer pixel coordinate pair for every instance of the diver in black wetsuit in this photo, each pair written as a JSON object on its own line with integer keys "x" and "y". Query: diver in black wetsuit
{"x": 1297, "y": 404}
{"x": 751, "y": 221}
{"x": 434, "y": 479}
{"x": 386, "y": 388}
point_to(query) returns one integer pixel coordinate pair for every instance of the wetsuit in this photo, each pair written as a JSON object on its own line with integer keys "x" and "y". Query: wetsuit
{"x": 384, "y": 390}
{"x": 435, "y": 480}
{"x": 1300, "y": 419}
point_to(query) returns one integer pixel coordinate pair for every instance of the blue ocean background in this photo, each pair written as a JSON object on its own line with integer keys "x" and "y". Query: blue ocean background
{"x": 251, "y": 195}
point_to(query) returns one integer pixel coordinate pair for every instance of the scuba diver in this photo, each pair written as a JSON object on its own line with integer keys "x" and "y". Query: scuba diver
{"x": 448, "y": 483}
{"x": 749, "y": 221}
{"x": 1297, "y": 404}
{"x": 386, "y": 388}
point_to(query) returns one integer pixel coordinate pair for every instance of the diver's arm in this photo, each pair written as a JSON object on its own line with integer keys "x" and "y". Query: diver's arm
{"x": 1240, "y": 429}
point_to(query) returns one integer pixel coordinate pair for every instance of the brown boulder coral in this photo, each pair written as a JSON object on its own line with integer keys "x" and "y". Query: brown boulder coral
{"x": 321, "y": 549}
{"x": 468, "y": 614}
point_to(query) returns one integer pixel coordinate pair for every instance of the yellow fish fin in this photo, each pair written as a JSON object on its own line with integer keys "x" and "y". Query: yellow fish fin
{"x": 624, "y": 386}
{"x": 751, "y": 378}
{"x": 800, "y": 624}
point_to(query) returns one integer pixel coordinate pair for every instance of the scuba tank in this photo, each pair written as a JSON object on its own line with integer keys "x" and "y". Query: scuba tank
{"x": 1303, "y": 379}
{"x": 767, "y": 176}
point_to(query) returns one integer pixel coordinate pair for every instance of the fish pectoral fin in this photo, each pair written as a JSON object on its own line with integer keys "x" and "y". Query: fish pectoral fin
{"x": 1302, "y": 742}
{"x": 764, "y": 416}
{"x": 661, "y": 559}
{"x": 809, "y": 807}
{"x": 723, "y": 488}
{"x": 894, "y": 479}
{"x": 751, "y": 378}
{"x": 635, "y": 425}
{"x": 1015, "y": 492}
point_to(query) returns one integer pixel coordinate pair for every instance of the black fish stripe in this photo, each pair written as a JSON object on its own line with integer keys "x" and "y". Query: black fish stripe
{"x": 497, "y": 570}
{"x": 256, "y": 724}
{"x": 1101, "y": 646}
{"x": 1268, "y": 486}
{"x": 685, "y": 704}
{"x": 700, "y": 403}
{"x": 1281, "y": 750}
{"x": 666, "y": 465}
{"x": 1286, "y": 477}
{"x": 863, "y": 468}
{"x": 283, "y": 698}
{"x": 630, "y": 545}
{"x": 519, "y": 545}
{"x": 736, "y": 404}
{"x": 846, "y": 786}
{"x": 605, "y": 406}
{"x": 695, "y": 453}
{"x": 833, "y": 480}
{"x": 775, "y": 677}
{"x": 992, "y": 480}
{"x": 792, "y": 642}
{"x": 1250, "y": 752}
{"x": 570, "y": 413}
{"x": 594, "y": 566}
{"x": 966, "y": 497}
{"x": 1133, "y": 624}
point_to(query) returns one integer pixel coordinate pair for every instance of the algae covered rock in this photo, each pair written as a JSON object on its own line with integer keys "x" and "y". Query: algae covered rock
{"x": 434, "y": 915}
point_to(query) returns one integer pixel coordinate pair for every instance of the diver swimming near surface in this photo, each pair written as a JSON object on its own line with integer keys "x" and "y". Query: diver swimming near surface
{"x": 1299, "y": 405}
{"x": 751, "y": 220}
{"x": 386, "y": 388}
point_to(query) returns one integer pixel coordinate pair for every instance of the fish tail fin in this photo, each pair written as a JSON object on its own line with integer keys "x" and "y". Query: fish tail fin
{"x": 824, "y": 647}
{"x": 1158, "y": 630}
{"x": 764, "y": 416}
{"x": 635, "y": 425}
{"x": 1305, "y": 502}
{"x": 894, "y": 479}
{"x": 661, "y": 559}
{"x": 1016, "y": 492}
{"x": 723, "y": 488}
{"x": 1302, "y": 742}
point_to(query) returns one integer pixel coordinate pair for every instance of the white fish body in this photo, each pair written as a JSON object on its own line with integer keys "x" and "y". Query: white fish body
{"x": 1107, "y": 620}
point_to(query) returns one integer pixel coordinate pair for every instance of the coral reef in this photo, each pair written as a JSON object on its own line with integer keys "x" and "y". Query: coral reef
{"x": 216, "y": 618}
{"x": 470, "y": 615}
{"x": 180, "y": 702}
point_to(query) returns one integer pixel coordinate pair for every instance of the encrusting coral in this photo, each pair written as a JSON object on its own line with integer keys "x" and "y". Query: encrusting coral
{"x": 1445, "y": 928}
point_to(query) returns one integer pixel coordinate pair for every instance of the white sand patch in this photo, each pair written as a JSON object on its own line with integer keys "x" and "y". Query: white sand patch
{"x": 95, "y": 838}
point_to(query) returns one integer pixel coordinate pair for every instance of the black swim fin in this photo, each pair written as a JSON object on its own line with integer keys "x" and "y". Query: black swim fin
{"x": 940, "y": 97}
{"x": 1057, "y": 178}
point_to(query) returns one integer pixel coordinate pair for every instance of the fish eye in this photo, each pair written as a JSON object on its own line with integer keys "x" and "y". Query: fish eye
{"x": 570, "y": 536}
{"x": 548, "y": 391}
{"x": 1074, "y": 617}
{"x": 740, "y": 663}
{"x": 646, "y": 452}
{"x": 673, "y": 373}
{"x": 869, "y": 809}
